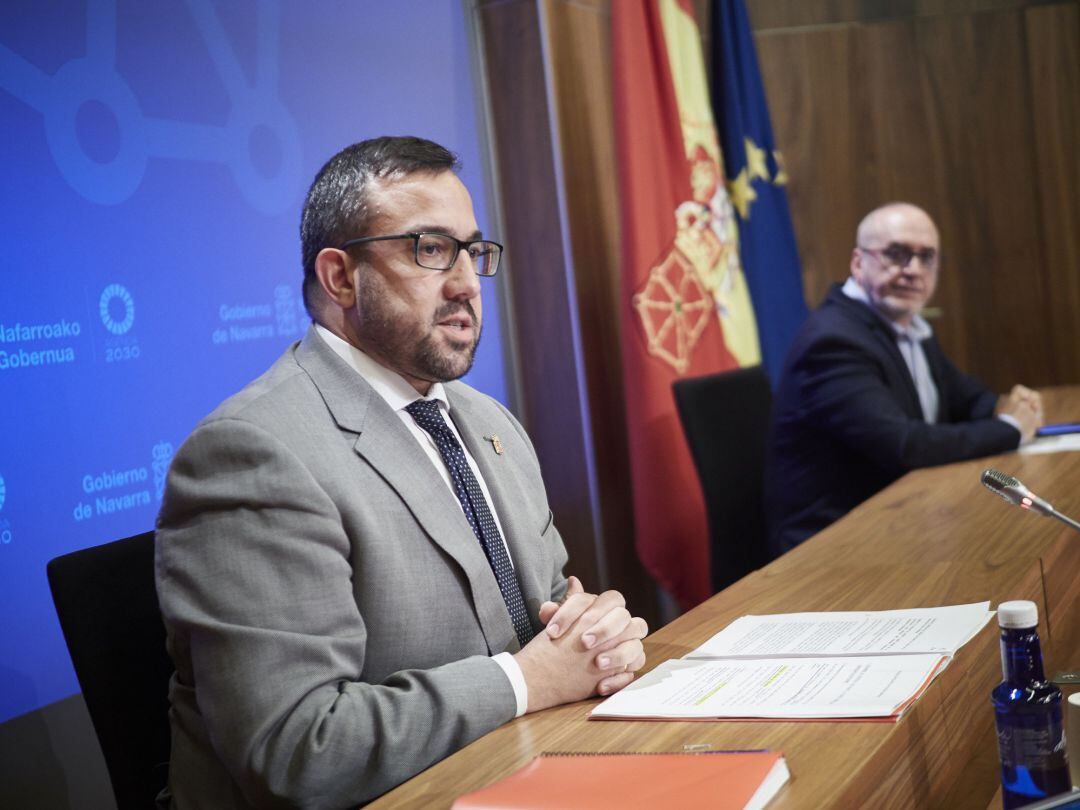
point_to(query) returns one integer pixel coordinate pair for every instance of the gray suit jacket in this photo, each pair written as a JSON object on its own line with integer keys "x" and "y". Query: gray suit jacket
{"x": 329, "y": 610}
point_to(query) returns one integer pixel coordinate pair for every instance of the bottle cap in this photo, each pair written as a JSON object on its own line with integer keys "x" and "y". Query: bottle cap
{"x": 1018, "y": 614}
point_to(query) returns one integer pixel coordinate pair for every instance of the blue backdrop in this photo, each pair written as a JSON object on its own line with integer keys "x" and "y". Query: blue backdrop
{"x": 156, "y": 154}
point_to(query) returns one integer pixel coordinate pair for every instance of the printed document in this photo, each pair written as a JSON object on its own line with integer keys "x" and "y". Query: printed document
{"x": 855, "y": 665}
{"x": 883, "y": 632}
{"x": 1052, "y": 444}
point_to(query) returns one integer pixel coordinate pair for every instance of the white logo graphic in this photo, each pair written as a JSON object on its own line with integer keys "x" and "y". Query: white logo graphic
{"x": 108, "y": 295}
{"x": 285, "y": 310}
{"x": 162, "y": 453}
{"x": 3, "y": 491}
{"x": 258, "y": 126}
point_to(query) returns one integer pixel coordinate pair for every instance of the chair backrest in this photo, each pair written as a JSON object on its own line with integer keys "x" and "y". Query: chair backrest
{"x": 725, "y": 418}
{"x": 108, "y": 608}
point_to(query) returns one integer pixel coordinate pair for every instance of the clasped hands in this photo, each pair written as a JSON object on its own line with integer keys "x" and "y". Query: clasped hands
{"x": 590, "y": 645}
{"x": 1025, "y": 406}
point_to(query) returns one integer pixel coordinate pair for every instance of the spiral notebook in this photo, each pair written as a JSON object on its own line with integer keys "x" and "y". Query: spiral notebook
{"x": 718, "y": 780}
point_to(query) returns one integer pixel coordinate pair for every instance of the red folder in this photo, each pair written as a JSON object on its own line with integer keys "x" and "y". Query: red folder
{"x": 721, "y": 780}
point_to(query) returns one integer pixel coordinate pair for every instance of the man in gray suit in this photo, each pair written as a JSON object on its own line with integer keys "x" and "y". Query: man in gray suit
{"x": 356, "y": 561}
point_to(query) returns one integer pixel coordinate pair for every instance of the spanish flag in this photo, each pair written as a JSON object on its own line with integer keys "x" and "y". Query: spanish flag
{"x": 686, "y": 305}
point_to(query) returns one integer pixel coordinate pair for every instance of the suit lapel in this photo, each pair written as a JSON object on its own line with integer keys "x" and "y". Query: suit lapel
{"x": 900, "y": 372}
{"x": 386, "y": 444}
{"x": 885, "y": 341}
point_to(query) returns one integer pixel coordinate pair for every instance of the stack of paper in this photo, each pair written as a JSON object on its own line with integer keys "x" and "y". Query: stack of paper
{"x": 859, "y": 665}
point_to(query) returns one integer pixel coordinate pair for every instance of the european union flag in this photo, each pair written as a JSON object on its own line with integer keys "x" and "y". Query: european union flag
{"x": 756, "y": 180}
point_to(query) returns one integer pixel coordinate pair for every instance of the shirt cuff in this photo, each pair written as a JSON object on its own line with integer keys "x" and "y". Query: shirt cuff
{"x": 1009, "y": 419}
{"x": 510, "y": 666}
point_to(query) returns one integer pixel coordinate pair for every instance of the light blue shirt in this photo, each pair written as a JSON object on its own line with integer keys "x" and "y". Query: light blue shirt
{"x": 909, "y": 341}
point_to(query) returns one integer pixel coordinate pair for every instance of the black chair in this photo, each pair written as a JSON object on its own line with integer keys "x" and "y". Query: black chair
{"x": 108, "y": 609}
{"x": 725, "y": 418}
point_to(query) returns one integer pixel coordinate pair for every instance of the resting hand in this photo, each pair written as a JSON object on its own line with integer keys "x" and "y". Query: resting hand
{"x": 549, "y": 609}
{"x": 621, "y": 657}
{"x": 558, "y": 616}
{"x": 563, "y": 670}
{"x": 1025, "y": 406}
{"x": 1018, "y": 395}
{"x": 601, "y": 618}
{"x": 602, "y": 626}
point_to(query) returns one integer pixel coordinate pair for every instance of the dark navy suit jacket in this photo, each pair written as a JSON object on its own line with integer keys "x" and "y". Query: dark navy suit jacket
{"x": 847, "y": 421}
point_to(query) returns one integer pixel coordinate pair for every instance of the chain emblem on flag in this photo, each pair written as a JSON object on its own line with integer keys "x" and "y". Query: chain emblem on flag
{"x": 696, "y": 276}
{"x": 674, "y": 309}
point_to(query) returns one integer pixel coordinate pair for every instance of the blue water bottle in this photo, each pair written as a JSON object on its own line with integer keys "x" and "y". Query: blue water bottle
{"x": 1027, "y": 709}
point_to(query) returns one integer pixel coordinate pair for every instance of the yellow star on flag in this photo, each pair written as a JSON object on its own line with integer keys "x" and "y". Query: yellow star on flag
{"x": 781, "y": 172}
{"x": 755, "y": 160}
{"x": 742, "y": 194}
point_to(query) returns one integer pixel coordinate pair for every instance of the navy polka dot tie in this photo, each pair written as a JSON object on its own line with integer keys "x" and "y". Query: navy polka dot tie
{"x": 428, "y": 416}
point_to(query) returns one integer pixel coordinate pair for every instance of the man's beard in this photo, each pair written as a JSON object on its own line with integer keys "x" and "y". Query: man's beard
{"x": 442, "y": 366}
{"x": 412, "y": 350}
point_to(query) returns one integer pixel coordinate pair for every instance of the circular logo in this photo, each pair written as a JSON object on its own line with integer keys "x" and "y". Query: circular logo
{"x": 76, "y": 84}
{"x": 118, "y": 293}
{"x": 3, "y": 492}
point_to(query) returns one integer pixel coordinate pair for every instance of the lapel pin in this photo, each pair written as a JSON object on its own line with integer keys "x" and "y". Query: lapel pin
{"x": 496, "y": 443}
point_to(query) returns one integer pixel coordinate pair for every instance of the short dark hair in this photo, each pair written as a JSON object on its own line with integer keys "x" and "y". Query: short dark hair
{"x": 336, "y": 207}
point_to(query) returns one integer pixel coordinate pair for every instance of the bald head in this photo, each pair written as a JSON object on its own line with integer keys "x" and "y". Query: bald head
{"x": 895, "y": 260}
{"x": 886, "y": 221}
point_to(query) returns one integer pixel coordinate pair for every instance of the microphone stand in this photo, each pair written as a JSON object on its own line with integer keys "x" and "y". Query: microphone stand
{"x": 1068, "y": 521}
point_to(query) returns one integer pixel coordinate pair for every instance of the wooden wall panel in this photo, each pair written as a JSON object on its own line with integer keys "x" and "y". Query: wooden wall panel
{"x": 593, "y": 513}
{"x": 950, "y": 149}
{"x": 970, "y": 108}
{"x": 809, "y": 79}
{"x": 1053, "y": 46}
{"x": 994, "y": 316}
{"x": 944, "y": 110}
{"x": 773, "y": 14}
{"x": 536, "y": 272}
{"x": 579, "y": 48}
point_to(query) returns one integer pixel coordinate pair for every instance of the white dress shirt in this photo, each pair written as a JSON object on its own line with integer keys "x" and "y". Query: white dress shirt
{"x": 398, "y": 394}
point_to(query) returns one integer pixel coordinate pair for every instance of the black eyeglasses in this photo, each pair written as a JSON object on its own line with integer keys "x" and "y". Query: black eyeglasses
{"x": 439, "y": 251}
{"x": 900, "y": 255}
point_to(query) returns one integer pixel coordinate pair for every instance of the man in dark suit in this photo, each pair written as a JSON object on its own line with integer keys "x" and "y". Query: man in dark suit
{"x": 866, "y": 393}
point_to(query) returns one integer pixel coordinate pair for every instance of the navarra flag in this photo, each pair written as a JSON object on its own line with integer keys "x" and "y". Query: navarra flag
{"x": 686, "y": 307}
{"x": 756, "y": 180}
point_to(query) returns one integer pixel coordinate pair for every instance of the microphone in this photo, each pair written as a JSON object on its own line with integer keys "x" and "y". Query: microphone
{"x": 1016, "y": 493}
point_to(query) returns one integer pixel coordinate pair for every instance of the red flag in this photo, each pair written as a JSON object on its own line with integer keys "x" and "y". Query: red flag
{"x": 686, "y": 309}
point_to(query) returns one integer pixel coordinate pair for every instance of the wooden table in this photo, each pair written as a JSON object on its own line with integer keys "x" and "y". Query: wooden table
{"x": 935, "y": 537}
